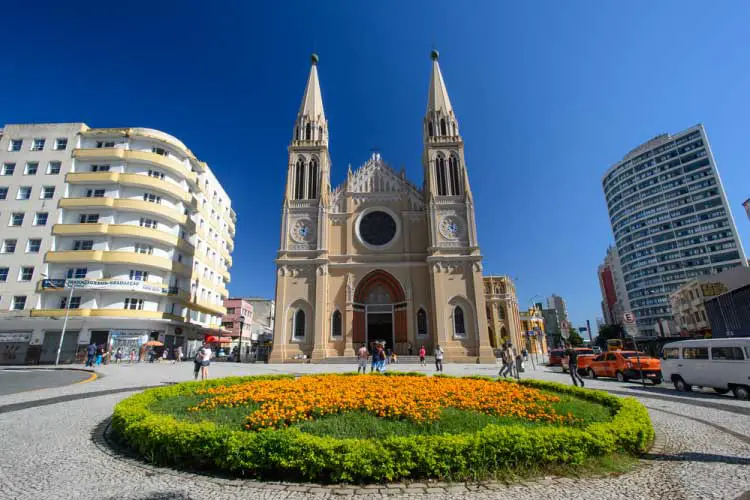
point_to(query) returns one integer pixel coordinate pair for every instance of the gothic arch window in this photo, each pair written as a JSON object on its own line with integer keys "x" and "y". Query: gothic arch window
{"x": 443, "y": 129}
{"x": 442, "y": 182}
{"x": 421, "y": 323}
{"x": 296, "y": 133}
{"x": 336, "y": 330}
{"x": 430, "y": 132}
{"x": 489, "y": 313}
{"x": 459, "y": 325}
{"x": 308, "y": 132}
{"x": 312, "y": 184}
{"x": 299, "y": 180}
{"x": 455, "y": 178}
{"x": 299, "y": 325}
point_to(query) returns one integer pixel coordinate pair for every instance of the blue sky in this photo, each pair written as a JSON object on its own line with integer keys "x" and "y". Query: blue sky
{"x": 548, "y": 94}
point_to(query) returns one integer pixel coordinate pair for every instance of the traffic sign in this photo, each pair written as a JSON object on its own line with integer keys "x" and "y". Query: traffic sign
{"x": 628, "y": 318}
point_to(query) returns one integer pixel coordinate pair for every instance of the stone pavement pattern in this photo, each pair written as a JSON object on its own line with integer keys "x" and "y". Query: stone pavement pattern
{"x": 53, "y": 448}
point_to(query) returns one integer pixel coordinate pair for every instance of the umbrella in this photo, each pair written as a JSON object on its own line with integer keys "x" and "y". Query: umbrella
{"x": 153, "y": 343}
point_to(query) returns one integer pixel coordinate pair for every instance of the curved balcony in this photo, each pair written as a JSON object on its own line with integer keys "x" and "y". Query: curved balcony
{"x": 104, "y": 313}
{"x": 123, "y": 230}
{"x": 115, "y": 257}
{"x": 206, "y": 307}
{"x": 226, "y": 275}
{"x": 126, "y": 205}
{"x": 147, "y": 157}
{"x": 111, "y": 285}
{"x": 138, "y": 180}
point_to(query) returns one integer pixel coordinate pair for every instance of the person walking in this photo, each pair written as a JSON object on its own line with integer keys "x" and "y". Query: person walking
{"x": 132, "y": 356}
{"x": 382, "y": 359}
{"x": 362, "y": 356}
{"x": 422, "y": 354}
{"x": 439, "y": 358}
{"x": 505, "y": 355}
{"x": 99, "y": 355}
{"x": 90, "y": 354}
{"x": 118, "y": 356}
{"x": 205, "y": 360}
{"x": 519, "y": 364}
{"x": 525, "y": 354}
{"x": 573, "y": 365}
{"x": 197, "y": 364}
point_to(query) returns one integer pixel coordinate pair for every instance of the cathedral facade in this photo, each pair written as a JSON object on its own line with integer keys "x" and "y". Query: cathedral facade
{"x": 379, "y": 258}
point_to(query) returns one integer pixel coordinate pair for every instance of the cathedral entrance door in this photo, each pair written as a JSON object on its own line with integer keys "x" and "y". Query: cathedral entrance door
{"x": 380, "y": 325}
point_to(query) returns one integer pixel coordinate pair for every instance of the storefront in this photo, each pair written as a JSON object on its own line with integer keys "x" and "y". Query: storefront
{"x": 14, "y": 347}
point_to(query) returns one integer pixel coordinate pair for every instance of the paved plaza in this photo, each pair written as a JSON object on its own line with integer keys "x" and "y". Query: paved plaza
{"x": 54, "y": 447}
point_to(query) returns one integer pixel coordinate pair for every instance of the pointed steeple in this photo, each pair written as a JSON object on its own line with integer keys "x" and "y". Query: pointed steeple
{"x": 438, "y": 99}
{"x": 440, "y": 121}
{"x": 311, "y": 119}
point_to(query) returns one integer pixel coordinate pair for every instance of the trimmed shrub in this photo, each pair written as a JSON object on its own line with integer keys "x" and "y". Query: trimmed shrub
{"x": 294, "y": 455}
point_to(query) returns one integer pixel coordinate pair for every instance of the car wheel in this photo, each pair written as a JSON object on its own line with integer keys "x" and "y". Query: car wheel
{"x": 741, "y": 392}
{"x": 720, "y": 391}
{"x": 621, "y": 377}
{"x": 657, "y": 381}
{"x": 681, "y": 386}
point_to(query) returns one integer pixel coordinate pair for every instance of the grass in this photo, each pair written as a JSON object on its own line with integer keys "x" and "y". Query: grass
{"x": 364, "y": 425}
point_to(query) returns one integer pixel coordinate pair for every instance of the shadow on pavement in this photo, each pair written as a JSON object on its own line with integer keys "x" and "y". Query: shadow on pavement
{"x": 157, "y": 495}
{"x": 70, "y": 397}
{"x": 696, "y": 457}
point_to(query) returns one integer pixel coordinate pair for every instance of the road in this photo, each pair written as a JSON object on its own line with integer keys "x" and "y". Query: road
{"x": 14, "y": 380}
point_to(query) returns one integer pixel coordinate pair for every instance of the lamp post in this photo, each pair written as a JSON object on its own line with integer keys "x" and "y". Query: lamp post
{"x": 65, "y": 321}
{"x": 239, "y": 353}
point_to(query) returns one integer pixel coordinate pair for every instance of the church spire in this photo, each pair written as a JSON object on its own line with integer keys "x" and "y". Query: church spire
{"x": 440, "y": 121}
{"x": 311, "y": 119}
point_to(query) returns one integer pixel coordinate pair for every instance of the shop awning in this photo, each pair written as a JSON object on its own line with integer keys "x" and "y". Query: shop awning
{"x": 213, "y": 339}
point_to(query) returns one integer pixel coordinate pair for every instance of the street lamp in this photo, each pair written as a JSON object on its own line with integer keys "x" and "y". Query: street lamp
{"x": 65, "y": 321}
{"x": 239, "y": 353}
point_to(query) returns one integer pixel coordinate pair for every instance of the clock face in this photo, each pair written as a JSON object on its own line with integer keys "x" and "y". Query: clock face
{"x": 451, "y": 227}
{"x": 303, "y": 231}
{"x": 377, "y": 228}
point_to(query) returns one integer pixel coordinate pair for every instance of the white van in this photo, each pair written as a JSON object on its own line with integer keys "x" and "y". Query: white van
{"x": 722, "y": 364}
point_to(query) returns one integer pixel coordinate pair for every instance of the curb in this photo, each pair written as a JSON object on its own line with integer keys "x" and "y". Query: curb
{"x": 93, "y": 374}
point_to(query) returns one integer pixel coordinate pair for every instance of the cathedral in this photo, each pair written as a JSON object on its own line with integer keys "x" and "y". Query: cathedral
{"x": 379, "y": 258}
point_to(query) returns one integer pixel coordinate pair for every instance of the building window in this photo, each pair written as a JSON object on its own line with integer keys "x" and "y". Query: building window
{"x": 24, "y": 193}
{"x": 9, "y": 246}
{"x": 299, "y": 180}
{"x": 151, "y": 198}
{"x": 459, "y": 326}
{"x": 150, "y": 223}
{"x": 135, "y": 304}
{"x": 137, "y": 275}
{"x": 31, "y": 168}
{"x": 83, "y": 244}
{"x": 75, "y": 303}
{"x": 430, "y": 131}
{"x": 37, "y": 144}
{"x": 442, "y": 180}
{"x": 144, "y": 249}
{"x": 53, "y": 167}
{"x": 19, "y": 302}
{"x": 299, "y": 325}
{"x": 33, "y": 245}
{"x": 88, "y": 218}
{"x": 3, "y": 274}
{"x": 15, "y": 145}
{"x": 443, "y": 129}
{"x": 95, "y": 193}
{"x": 105, "y": 144}
{"x": 3, "y": 192}
{"x": 26, "y": 274}
{"x": 312, "y": 183}
{"x": 336, "y": 327}
{"x": 8, "y": 169}
{"x": 455, "y": 177}
{"x": 100, "y": 168}
{"x": 421, "y": 323}
{"x": 61, "y": 144}
{"x": 159, "y": 151}
{"x": 16, "y": 219}
{"x": 77, "y": 273}
{"x": 156, "y": 174}
{"x": 40, "y": 218}
{"x": 48, "y": 192}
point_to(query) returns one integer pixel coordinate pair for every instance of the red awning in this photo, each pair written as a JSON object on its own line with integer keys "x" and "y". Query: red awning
{"x": 213, "y": 339}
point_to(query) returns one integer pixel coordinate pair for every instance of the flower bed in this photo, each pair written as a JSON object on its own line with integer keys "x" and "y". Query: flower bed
{"x": 530, "y": 430}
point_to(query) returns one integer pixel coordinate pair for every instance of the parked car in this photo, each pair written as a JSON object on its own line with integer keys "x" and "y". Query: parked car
{"x": 585, "y": 355}
{"x": 623, "y": 365}
{"x": 555, "y": 357}
{"x": 721, "y": 364}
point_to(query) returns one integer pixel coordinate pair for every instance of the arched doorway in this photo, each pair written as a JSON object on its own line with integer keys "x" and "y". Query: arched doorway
{"x": 379, "y": 310}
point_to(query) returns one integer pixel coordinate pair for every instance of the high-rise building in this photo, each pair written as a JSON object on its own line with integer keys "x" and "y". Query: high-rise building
{"x": 670, "y": 219}
{"x": 614, "y": 296}
{"x": 122, "y": 231}
{"x": 558, "y": 304}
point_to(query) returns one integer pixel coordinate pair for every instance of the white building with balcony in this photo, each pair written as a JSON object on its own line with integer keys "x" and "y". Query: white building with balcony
{"x": 135, "y": 243}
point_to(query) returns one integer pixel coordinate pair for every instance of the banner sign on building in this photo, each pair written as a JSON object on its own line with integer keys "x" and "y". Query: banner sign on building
{"x": 124, "y": 285}
{"x": 713, "y": 289}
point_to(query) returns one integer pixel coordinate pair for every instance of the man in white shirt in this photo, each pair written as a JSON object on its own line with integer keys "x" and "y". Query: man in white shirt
{"x": 362, "y": 356}
{"x": 439, "y": 358}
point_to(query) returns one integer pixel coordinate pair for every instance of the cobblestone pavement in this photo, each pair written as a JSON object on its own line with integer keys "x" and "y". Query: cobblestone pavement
{"x": 53, "y": 447}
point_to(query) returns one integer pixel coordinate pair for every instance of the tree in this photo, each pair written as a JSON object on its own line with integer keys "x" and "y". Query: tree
{"x": 575, "y": 338}
{"x": 607, "y": 332}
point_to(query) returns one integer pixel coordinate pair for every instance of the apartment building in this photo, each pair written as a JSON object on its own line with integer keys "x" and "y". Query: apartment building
{"x": 614, "y": 297}
{"x": 122, "y": 231}
{"x": 671, "y": 221}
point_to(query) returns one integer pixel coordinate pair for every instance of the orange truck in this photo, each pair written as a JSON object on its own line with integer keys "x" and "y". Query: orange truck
{"x": 624, "y": 365}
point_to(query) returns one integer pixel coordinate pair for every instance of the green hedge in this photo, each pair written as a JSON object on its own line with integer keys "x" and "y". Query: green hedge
{"x": 290, "y": 454}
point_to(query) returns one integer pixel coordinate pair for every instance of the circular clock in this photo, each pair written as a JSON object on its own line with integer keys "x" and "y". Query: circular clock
{"x": 303, "y": 231}
{"x": 451, "y": 227}
{"x": 377, "y": 228}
